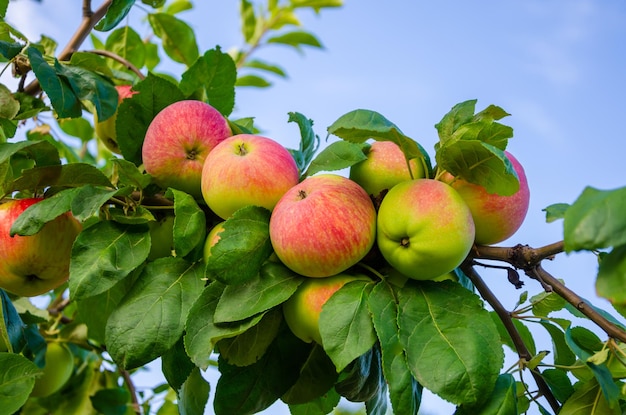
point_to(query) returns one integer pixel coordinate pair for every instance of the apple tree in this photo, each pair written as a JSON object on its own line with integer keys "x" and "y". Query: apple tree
{"x": 294, "y": 282}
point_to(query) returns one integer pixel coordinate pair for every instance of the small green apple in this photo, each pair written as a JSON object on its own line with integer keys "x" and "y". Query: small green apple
{"x": 105, "y": 130}
{"x": 246, "y": 170}
{"x": 323, "y": 226}
{"x": 385, "y": 167}
{"x": 162, "y": 237}
{"x": 302, "y": 310}
{"x": 57, "y": 371}
{"x": 425, "y": 229}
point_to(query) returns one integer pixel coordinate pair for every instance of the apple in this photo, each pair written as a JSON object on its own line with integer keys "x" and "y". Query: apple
{"x": 35, "y": 264}
{"x": 323, "y": 225}
{"x": 302, "y": 310}
{"x": 211, "y": 239}
{"x": 496, "y": 217}
{"x": 425, "y": 229}
{"x": 385, "y": 166}
{"x": 177, "y": 142}
{"x": 105, "y": 130}
{"x": 162, "y": 237}
{"x": 244, "y": 170}
{"x": 57, "y": 371}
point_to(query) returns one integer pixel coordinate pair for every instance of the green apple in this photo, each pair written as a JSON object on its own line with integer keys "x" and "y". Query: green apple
{"x": 211, "y": 239}
{"x": 496, "y": 217}
{"x": 105, "y": 130}
{"x": 162, "y": 237}
{"x": 425, "y": 229}
{"x": 35, "y": 264}
{"x": 57, "y": 371}
{"x": 323, "y": 225}
{"x": 177, "y": 142}
{"x": 245, "y": 170}
{"x": 385, "y": 167}
{"x": 302, "y": 310}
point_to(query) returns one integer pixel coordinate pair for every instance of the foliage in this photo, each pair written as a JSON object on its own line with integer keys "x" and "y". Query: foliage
{"x": 383, "y": 343}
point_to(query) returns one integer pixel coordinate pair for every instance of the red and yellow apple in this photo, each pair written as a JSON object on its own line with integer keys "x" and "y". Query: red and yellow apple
{"x": 35, "y": 264}
{"x": 211, "y": 239}
{"x": 323, "y": 225}
{"x": 302, "y": 310}
{"x": 496, "y": 217}
{"x": 105, "y": 130}
{"x": 245, "y": 170}
{"x": 57, "y": 371}
{"x": 178, "y": 141}
{"x": 425, "y": 229}
{"x": 162, "y": 237}
{"x": 385, "y": 166}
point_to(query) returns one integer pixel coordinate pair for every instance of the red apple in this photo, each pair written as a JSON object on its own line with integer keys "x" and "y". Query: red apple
{"x": 35, "y": 264}
{"x": 177, "y": 142}
{"x": 105, "y": 130}
{"x": 425, "y": 229}
{"x": 496, "y": 217}
{"x": 245, "y": 170}
{"x": 385, "y": 166}
{"x": 323, "y": 226}
{"x": 302, "y": 310}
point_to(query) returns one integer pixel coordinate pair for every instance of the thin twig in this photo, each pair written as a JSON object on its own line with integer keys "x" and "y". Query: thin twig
{"x": 507, "y": 321}
{"x": 133, "y": 391}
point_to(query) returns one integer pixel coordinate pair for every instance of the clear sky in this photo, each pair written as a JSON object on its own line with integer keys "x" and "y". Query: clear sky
{"x": 558, "y": 67}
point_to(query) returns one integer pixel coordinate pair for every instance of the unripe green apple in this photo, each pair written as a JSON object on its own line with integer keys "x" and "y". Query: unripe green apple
{"x": 385, "y": 167}
{"x": 105, "y": 130}
{"x": 323, "y": 225}
{"x": 211, "y": 239}
{"x": 162, "y": 237}
{"x": 245, "y": 170}
{"x": 302, "y": 310}
{"x": 425, "y": 229}
{"x": 496, "y": 217}
{"x": 57, "y": 371}
{"x": 35, "y": 264}
{"x": 177, "y": 142}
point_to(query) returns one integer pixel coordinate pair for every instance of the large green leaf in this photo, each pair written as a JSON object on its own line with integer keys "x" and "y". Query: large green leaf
{"x": 36, "y": 216}
{"x": 336, "y": 156}
{"x": 151, "y": 317}
{"x": 116, "y": 12}
{"x": 193, "y": 395}
{"x": 452, "y": 345}
{"x": 42, "y": 152}
{"x": 309, "y": 141}
{"x": 68, "y": 175}
{"x": 588, "y": 400}
{"x": 104, "y": 254}
{"x": 9, "y": 106}
{"x": 189, "y": 223}
{"x": 596, "y": 220}
{"x": 404, "y": 391}
{"x": 177, "y": 37}
{"x": 502, "y": 401}
{"x": 612, "y": 276}
{"x": 346, "y": 325}
{"x": 126, "y": 43}
{"x": 317, "y": 377}
{"x": 17, "y": 379}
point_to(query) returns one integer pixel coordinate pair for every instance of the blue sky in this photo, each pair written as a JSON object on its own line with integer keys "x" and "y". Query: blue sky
{"x": 557, "y": 66}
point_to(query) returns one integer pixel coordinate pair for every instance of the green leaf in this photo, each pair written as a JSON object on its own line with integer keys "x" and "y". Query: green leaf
{"x": 317, "y": 4}
{"x": 404, "y": 391}
{"x": 42, "y": 153}
{"x": 36, "y": 216}
{"x": 88, "y": 200}
{"x": 583, "y": 342}
{"x": 248, "y": 347}
{"x": 17, "y": 379}
{"x": 77, "y": 127}
{"x": 189, "y": 223}
{"x": 9, "y": 50}
{"x": 265, "y": 66}
{"x": 248, "y": 20}
{"x": 178, "y": 6}
{"x": 523, "y": 331}
{"x": 11, "y": 324}
{"x": 336, "y": 156}
{"x": 545, "y": 303}
{"x": 194, "y": 394}
{"x": 71, "y": 175}
{"x": 323, "y": 405}
{"x": 177, "y": 37}
{"x": 563, "y": 355}
{"x": 559, "y": 383}
{"x": 460, "y": 114}
{"x": 316, "y": 379}
{"x": 9, "y": 106}
{"x": 245, "y": 235}
{"x": 502, "y": 401}
{"x": 296, "y": 39}
{"x": 92, "y": 62}
{"x": 176, "y": 365}
{"x": 115, "y": 14}
{"x": 126, "y": 43}
{"x": 612, "y": 276}
{"x": 215, "y": 74}
{"x": 443, "y": 325}
{"x": 151, "y": 317}
{"x": 587, "y": 399}
{"x": 360, "y": 381}
{"x": 274, "y": 285}
{"x": 29, "y": 106}
{"x": 59, "y": 91}
{"x": 309, "y": 141}
{"x": 104, "y": 254}
{"x": 555, "y": 212}
{"x": 136, "y": 113}
{"x": 595, "y": 220}
{"x": 112, "y": 401}
{"x": 126, "y": 173}
{"x": 201, "y": 331}
{"x": 345, "y": 323}
{"x": 252, "y": 80}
